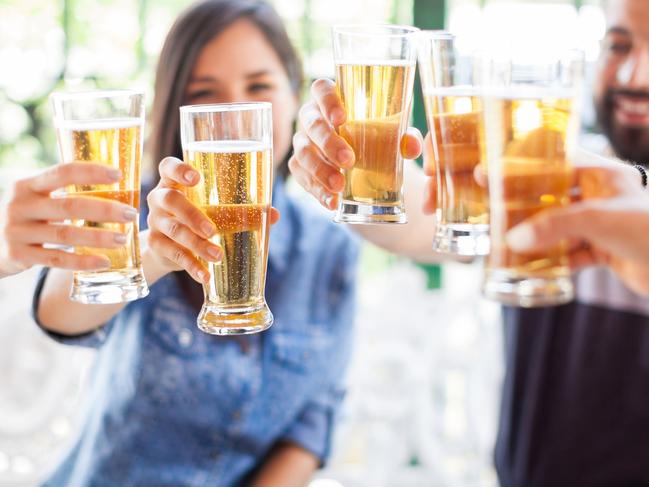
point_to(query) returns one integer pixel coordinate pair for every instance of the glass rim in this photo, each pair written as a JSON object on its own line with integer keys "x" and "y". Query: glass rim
{"x": 226, "y": 107}
{"x": 552, "y": 57}
{"x": 88, "y": 94}
{"x": 365, "y": 30}
{"x": 434, "y": 34}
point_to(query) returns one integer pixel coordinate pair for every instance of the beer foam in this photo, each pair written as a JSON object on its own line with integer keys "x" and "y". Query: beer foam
{"x": 460, "y": 90}
{"x": 528, "y": 92}
{"x": 99, "y": 124}
{"x": 397, "y": 63}
{"x": 227, "y": 146}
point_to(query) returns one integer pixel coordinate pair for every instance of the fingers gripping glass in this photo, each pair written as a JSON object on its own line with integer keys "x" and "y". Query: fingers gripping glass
{"x": 231, "y": 147}
{"x": 375, "y": 69}
{"x": 531, "y": 122}
{"x": 454, "y": 114}
{"x": 105, "y": 127}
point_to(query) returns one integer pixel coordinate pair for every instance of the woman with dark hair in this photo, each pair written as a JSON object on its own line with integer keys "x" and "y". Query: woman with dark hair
{"x": 168, "y": 404}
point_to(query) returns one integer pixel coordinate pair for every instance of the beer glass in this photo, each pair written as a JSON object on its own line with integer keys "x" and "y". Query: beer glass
{"x": 454, "y": 114}
{"x": 531, "y": 122}
{"x": 375, "y": 69}
{"x": 105, "y": 127}
{"x": 231, "y": 146}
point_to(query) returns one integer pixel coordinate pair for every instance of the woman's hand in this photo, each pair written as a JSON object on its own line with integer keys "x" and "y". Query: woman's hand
{"x": 30, "y": 218}
{"x": 178, "y": 230}
{"x": 320, "y": 153}
{"x": 608, "y": 226}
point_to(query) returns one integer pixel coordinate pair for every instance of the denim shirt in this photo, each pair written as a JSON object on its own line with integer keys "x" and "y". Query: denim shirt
{"x": 172, "y": 406}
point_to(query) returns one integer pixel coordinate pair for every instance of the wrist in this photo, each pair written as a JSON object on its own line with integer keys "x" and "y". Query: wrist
{"x": 155, "y": 266}
{"x": 643, "y": 174}
{"x": 7, "y": 269}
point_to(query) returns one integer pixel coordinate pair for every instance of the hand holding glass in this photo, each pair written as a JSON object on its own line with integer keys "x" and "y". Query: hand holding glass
{"x": 230, "y": 146}
{"x": 375, "y": 69}
{"x": 105, "y": 127}
{"x": 454, "y": 114}
{"x": 531, "y": 122}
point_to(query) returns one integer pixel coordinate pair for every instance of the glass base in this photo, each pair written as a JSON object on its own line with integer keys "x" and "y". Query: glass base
{"x": 463, "y": 239}
{"x": 234, "y": 321}
{"x": 364, "y": 214}
{"x": 108, "y": 287}
{"x": 526, "y": 292}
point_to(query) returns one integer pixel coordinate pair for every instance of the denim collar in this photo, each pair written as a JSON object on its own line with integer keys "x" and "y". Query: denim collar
{"x": 282, "y": 233}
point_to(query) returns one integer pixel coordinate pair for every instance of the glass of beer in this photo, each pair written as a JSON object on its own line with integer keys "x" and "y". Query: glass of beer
{"x": 375, "y": 70}
{"x": 105, "y": 127}
{"x": 455, "y": 122}
{"x": 231, "y": 146}
{"x": 531, "y": 123}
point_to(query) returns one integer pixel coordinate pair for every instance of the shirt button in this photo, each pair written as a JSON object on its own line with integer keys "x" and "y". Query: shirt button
{"x": 236, "y": 415}
{"x": 185, "y": 338}
{"x": 214, "y": 455}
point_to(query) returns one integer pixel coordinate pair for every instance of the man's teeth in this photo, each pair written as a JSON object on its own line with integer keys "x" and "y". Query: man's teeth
{"x": 633, "y": 107}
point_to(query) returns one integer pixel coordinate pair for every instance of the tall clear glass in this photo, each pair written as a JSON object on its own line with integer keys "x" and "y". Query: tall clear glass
{"x": 105, "y": 127}
{"x": 231, "y": 146}
{"x": 375, "y": 71}
{"x": 455, "y": 122}
{"x": 532, "y": 123}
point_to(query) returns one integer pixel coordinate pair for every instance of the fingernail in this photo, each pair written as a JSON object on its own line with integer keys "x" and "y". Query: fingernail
{"x": 521, "y": 237}
{"x": 214, "y": 252}
{"x": 190, "y": 176}
{"x": 208, "y": 229}
{"x": 114, "y": 174}
{"x": 335, "y": 181}
{"x": 120, "y": 238}
{"x": 327, "y": 200}
{"x": 203, "y": 276}
{"x": 130, "y": 214}
{"x": 337, "y": 115}
{"x": 345, "y": 156}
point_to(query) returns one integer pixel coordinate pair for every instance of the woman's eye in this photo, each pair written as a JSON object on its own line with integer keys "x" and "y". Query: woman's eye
{"x": 199, "y": 94}
{"x": 619, "y": 47}
{"x": 259, "y": 87}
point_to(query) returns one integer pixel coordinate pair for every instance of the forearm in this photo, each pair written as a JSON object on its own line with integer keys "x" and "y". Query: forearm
{"x": 288, "y": 465}
{"x": 58, "y": 313}
{"x": 415, "y": 238}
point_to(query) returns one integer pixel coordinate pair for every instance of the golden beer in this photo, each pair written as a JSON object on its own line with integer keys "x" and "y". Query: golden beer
{"x": 534, "y": 174}
{"x": 116, "y": 143}
{"x": 234, "y": 192}
{"x": 455, "y": 120}
{"x": 376, "y": 98}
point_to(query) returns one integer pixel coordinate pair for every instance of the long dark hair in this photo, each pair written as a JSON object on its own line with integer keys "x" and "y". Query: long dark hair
{"x": 194, "y": 28}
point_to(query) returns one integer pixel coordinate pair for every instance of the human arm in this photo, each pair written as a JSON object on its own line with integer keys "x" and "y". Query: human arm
{"x": 179, "y": 233}
{"x": 608, "y": 226}
{"x": 167, "y": 246}
{"x": 287, "y": 465}
{"x": 320, "y": 154}
{"x": 30, "y": 218}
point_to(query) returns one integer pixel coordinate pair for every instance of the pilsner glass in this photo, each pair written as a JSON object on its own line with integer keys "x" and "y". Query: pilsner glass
{"x": 231, "y": 146}
{"x": 455, "y": 122}
{"x": 105, "y": 127}
{"x": 375, "y": 69}
{"x": 531, "y": 123}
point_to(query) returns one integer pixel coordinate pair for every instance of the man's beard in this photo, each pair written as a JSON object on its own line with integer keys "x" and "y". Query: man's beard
{"x": 628, "y": 143}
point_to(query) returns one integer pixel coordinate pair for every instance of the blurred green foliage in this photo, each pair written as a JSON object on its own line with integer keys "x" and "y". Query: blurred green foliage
{"x": 47, "y": 45}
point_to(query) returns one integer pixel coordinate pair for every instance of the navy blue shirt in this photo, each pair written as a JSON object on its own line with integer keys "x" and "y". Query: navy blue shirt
{"x": 172, "y": 406}
{"x": 575, "y": 407}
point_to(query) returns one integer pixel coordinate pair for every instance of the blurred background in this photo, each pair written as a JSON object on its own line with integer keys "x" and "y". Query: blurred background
{"x": 425, "y": 379}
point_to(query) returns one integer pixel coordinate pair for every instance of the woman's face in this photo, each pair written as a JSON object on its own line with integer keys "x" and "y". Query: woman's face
{"x": 239, "y": 65}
